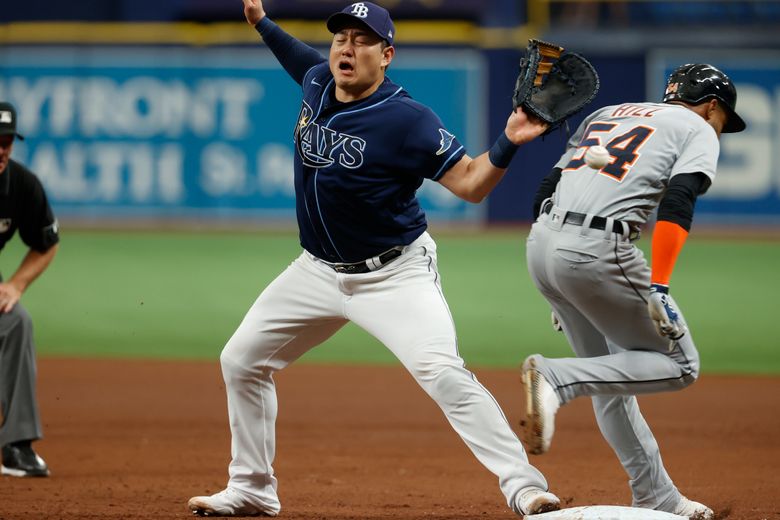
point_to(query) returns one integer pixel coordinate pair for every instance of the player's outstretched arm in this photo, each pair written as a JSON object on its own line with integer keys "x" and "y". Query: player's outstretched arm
{"x": 473, "y": 179}
{"x": 254, "y": 12}
{"x": 296, "y": 57}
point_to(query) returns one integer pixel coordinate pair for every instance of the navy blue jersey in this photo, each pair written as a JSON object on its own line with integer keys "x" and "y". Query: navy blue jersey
{"x": 359, "y": 164}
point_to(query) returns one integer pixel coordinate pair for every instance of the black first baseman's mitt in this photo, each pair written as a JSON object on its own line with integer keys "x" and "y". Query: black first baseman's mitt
{"x": 554, "y": 85}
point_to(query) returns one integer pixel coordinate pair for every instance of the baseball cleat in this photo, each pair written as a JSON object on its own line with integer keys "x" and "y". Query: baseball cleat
{"x": 532, "y": 501}
{"x": 225, "y": 503}
{"x": 541, "y": 405}
{"x": 693, "y": 510}
{"x": 20, "y": 460}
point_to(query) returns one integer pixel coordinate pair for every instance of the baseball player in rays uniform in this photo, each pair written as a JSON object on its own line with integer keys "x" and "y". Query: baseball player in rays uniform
{"x": 628, "y": 334}
{"x": 363, "y": 147}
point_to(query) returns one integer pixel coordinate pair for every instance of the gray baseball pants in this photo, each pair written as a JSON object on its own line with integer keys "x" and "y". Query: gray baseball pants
{"x": 596, "y": 282}
{"x": 18, "y": 404}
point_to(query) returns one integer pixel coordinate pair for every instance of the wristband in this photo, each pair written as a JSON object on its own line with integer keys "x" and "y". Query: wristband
{"x": 502, "y": 151}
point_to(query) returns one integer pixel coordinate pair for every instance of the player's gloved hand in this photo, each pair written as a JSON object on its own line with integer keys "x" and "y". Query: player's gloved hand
{"x": 556, "y": 323}
{"x": 664, "y": 314}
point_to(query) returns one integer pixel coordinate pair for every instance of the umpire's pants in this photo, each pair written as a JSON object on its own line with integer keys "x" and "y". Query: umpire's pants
{"x": 18, "y": 405}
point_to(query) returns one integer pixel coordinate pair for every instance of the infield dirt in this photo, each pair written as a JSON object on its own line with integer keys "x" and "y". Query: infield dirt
{"x": 135, "y": 439}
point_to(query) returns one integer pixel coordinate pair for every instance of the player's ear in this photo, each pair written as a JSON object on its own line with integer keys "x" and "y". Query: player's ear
{"x": 715, "y": 115}
{"x": 387, "y": 56}
{"x": 712, "y": 108}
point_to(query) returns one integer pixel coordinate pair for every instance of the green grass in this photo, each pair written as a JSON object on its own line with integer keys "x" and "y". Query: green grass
{"x": 181, "y": 295}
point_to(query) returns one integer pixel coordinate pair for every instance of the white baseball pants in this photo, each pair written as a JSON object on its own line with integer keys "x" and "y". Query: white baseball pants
{"x": 596, "y": 282}
{"x": 402, "y": 305}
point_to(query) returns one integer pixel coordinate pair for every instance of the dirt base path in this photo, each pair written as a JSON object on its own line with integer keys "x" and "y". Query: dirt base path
{"x": 135, "y": 439}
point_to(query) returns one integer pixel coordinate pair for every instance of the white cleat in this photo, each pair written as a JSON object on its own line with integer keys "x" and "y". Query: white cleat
{"x": 541, "y": 405}
{"x": 532, "y": 501}
{"x": 225, "y": 503}
{"x": 693, "y": 510}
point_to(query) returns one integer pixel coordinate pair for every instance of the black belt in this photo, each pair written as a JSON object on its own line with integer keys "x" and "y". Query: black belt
{"x": 578, "y": 219}
{"x": 366, "y": 266}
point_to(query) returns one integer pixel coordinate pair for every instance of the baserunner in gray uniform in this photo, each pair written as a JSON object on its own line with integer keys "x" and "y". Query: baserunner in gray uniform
{"x": 616, "y": 311}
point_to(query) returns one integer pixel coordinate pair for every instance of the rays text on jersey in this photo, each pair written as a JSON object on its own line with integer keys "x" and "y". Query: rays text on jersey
{"x": 320, "y": 146}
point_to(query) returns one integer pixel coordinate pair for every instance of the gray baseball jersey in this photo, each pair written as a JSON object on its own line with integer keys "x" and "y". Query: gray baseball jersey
{"x": 649, "y": 144}
{"x": 597, "y": 280}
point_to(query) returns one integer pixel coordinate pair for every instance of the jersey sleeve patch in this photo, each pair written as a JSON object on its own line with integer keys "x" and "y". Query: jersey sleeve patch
{"x": 446, "y": 141}
{"x": 430, "y": 149}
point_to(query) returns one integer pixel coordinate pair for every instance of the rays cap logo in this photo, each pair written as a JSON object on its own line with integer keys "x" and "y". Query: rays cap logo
{"x": 373, "y": 16}
{"x": 8, "y": 120}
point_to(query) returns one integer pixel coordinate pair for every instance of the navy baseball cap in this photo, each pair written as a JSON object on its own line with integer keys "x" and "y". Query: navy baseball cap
{"x": 375, "y": 17}
{"x": 8, "y": 120}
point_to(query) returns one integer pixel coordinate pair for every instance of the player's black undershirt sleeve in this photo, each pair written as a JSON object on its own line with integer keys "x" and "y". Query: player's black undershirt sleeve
{"x": 295, "y": 56}
{"x": 546, "y": 189}
{"x": 680, "y": 197}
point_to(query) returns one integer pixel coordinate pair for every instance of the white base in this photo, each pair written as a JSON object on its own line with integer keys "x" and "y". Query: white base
{"x": 606, "y": 513}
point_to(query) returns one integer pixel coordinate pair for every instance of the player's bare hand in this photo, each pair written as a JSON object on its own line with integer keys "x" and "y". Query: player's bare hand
{"x": 254, "y": 12}
{"x": 522, "y": 127}
{"x": 9, "y": 296}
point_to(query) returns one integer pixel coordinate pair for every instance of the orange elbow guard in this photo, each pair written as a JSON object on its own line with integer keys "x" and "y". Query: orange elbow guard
{"x": 668, "y": 240}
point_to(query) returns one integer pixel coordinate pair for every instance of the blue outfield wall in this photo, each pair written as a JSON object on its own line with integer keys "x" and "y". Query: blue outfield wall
{"x": 124, "y": 131}
{"x": 198, "y": 133}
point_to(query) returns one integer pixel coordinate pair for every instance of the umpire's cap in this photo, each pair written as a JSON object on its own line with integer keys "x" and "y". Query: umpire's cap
{"x": 8, "y": 120}
{"x": 697, "y": 82}
{"x": 375, "y": 17}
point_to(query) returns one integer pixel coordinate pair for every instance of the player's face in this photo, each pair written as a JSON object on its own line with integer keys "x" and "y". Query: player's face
{"x": 6, "y": 146}
{"x": 357, "y": 62}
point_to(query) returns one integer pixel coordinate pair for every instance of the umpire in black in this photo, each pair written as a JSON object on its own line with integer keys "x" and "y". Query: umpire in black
{"x": 23, "y": 206}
